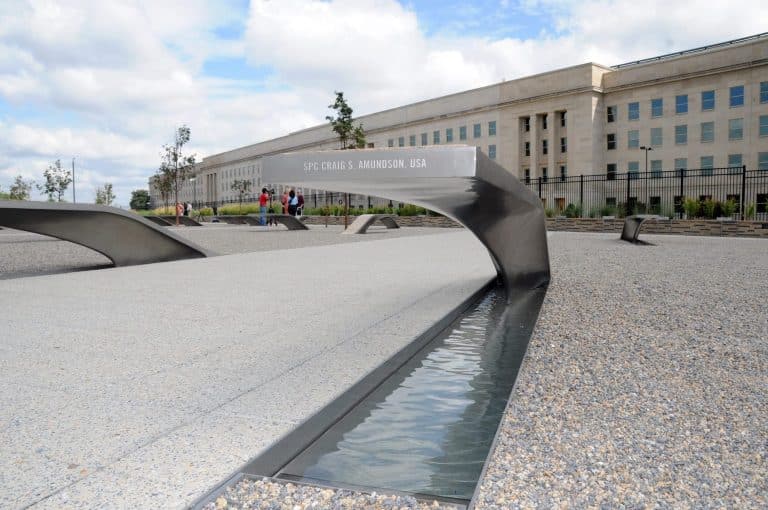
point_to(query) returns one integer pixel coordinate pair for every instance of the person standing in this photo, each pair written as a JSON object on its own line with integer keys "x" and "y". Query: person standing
{"x": 293, "y": 203}
{"x": 300, "y": 208}
{"x": 284, "y": 201}
{"x": 263, "y": 201}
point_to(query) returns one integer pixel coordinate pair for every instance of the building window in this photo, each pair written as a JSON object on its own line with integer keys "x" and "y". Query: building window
{"x": 563, "y": 172}
{"x": 707, "y": 100}
{"x": 436, "y": 137}
{"x": 610, "y": 171}
{"x": 762, "y": 160}
{"x": 681, "y": 165}
{"x": 611, "y": 139}
{"x": 563, "y": 118}
{"x": 527, "y": 124}
{"x": 391, "y": 142}
{"x": 544, "y": 146}
{"x": 492, "y": 151}
{"x": 633, "y": 169}
{"x": 657, "y": 107}
{"x": 527, "y": 148}
{"x": 656, "y": 137}
{"x": 544, "y": 176}
{"x": 656, "y": 168}
{"x": 764, "y": 125}
{"x": 734, "y": 161}
{"x": 423, "y": 139}
{"x": 735, "y": 129}
{"x": 448, "y": 135}
{"x": 764, "y": 91}
{"x": 681, "y": 104}
{"x": 564, "y": 144}
{"x": 681, "y": 134}
{"x": 707, "y": 132}
{"x": 633, "y": 111}
{"x": 633, "y": 139}
{"x": 462, "y": 132}
{"x": 611, "y": 111}
{"x": 544, "y": 119}
{"x": 707, "y": 164}
{"x": 476, "y": 132}
{"x": 412, "y": 140}
{"x": 492, "y": 128}
{"x": 401, "y": 141}
{"x": 737, "y": 96}
{"x": 527, "y": 175}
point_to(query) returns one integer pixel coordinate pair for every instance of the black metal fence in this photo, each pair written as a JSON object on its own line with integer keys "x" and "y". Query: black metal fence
{"x": 655, "y": 192}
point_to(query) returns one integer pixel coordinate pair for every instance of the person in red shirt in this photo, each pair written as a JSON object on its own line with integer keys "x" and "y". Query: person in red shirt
{"x": 263, "y": 201}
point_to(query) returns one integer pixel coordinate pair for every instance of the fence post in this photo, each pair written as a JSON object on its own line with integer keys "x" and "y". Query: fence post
{"x": 539, "y": 187}
{"x": 682, "y": 195}
{"x": 581, "y": 195}
{"x": 743, "y": 190}
{"x": 627, "y": 208}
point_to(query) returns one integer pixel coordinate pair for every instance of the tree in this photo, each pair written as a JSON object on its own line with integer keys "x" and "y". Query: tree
{"x": 162, "y": 183}
{"x": 3, "y": 195}
{"x": 20, "y": 189}
{"x": 175, "y": 165}
{"x": 343, "y": 126}
{"x": 104, "y": 195}
{"x": 57, "y": 180}
{"x": 139, "y": 200}
{"x": 241, "y": 187}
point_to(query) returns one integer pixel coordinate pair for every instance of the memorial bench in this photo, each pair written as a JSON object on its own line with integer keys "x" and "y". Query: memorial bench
{"x": 183, "y": 220}
{"x": 632, "y": 225}
{"x": 291, "y": 222}
{"x": 362, "y": 222}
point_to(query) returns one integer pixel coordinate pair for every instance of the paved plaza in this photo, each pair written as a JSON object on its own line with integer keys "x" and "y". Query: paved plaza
{"x": 645, "y": 382}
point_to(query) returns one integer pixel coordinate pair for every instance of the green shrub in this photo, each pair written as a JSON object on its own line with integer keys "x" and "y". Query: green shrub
{"x": 691, "y": 208}
{"x": 750, "y": 212}
{"x": 411, "y": 210}
{"x": 608, "y": 210}
{"x": 549, "y": 212}
{"x": 572, "y": 211}
{"x": 728, "y": 208}
{"x": 203, "y": 211}
{"x": 236, "y": 210}
{"x": 668, "y": 211}
{"x": 707, "y": 209}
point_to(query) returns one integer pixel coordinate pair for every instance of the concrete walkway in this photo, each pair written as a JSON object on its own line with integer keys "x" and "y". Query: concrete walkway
{"x": 114, "y": 393}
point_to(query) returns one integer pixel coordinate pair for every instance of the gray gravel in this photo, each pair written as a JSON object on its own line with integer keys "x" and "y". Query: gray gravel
{"x": 645, "y": 381}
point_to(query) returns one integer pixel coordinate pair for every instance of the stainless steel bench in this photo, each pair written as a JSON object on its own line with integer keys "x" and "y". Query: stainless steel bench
{"x": 124, "y": 237}
{"x": 632, "y": 225}
{"x": 362, "y": 222}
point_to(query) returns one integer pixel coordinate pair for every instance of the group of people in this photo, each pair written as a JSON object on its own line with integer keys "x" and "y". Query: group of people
{"x": 292, "y": 201}
{"x": 183, "y": 209}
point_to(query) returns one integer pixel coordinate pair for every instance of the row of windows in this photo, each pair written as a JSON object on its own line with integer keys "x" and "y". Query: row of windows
{"x": 735, "y": 100}
{"x": 477, "y": 132}
{"x": 563, "y": 116}
{"x": 545, "y": 173}
{"x": 545, "y": 146}
{"x": 705, "y": 163}
{"x": 706, "y": 133}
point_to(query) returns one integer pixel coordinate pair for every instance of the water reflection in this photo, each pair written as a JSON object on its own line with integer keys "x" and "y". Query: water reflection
{"x": 429, "y": 427}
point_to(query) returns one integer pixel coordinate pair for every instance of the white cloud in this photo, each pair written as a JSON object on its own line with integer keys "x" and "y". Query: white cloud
{"x": 108, "y": 82}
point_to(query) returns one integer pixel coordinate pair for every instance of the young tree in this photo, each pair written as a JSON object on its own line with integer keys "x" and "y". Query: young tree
{"x": 57, "y": 180}
{"x": 242, "y": 188}
{"x": 162, "y": 184}
{"x": 20, "y": 189}
{"x": 175, "y": 165}
{"x": 104, "y": 195}
{"x": 343, "y": 126}
{"x": 139, "y": 200}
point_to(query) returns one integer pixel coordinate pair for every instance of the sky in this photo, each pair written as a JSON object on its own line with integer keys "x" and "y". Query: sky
{"x": 108, "y": 82}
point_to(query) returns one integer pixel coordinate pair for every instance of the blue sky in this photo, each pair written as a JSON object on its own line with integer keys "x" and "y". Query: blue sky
{"x": 108, "y": 82}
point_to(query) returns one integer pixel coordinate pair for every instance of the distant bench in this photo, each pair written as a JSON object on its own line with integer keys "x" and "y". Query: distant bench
{"x": 361, "y": 224}
{"x": 292, "y": 222}
{"x": 168, "y": 221}
{"x": 632, "y": 225}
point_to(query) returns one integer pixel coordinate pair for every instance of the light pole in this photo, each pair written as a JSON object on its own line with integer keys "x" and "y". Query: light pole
{"x": 646, "y": 149}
